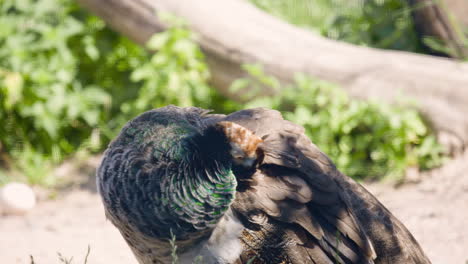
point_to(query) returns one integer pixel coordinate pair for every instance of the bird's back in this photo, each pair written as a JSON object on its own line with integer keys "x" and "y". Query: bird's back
{"x": 353, "y": 225}
{"x": 291, "y": 205}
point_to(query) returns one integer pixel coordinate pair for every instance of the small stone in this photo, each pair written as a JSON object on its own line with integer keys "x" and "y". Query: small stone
{"x": 16, "y": 198}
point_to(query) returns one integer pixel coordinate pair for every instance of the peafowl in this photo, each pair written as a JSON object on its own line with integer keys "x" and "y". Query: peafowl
{"x": 248, "y": 187}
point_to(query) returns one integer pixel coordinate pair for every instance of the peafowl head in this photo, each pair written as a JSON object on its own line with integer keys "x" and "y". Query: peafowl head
{"x": 170, "y": 172}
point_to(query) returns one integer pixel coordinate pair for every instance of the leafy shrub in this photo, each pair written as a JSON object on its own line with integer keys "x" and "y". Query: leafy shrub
{"x": 383, "y": 24}
{"x": 46, "y": 111}
{"x": 59, "y": 67}
{"x": 366, "y": 140}
{"x": 175, "y": 73}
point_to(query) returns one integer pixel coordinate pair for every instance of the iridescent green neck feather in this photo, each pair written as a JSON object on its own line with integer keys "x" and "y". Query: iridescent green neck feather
{"x": 167, "y": 173}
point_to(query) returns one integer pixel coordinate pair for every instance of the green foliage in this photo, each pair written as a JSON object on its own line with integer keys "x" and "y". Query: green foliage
{"x": 175, "y": 73}
{"x": 365, "y": 139}
{"x": 59, "y": 67}
{"x": 47, "y": 111}
{"x": 439, "y": 46}
{"x": 378, "y": 23}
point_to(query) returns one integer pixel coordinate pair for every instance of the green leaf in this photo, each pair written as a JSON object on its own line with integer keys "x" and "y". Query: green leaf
{"x": 158, "y": 41}
{"x": 12, "y": 84}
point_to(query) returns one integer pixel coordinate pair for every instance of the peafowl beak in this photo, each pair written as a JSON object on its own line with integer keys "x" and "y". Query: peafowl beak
{"x": 240, "y": 158}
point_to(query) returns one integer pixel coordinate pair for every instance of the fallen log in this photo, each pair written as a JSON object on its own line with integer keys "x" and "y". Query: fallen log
{"x": 233, "y": 32}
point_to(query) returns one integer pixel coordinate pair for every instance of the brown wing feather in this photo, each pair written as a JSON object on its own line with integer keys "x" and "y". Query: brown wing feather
{"x": 298, "y": 208}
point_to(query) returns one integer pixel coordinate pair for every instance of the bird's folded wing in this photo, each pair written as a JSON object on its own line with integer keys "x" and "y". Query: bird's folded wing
{"x": 292, "y": 201}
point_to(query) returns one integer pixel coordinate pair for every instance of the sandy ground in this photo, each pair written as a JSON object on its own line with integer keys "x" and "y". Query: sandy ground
{"x": 435, "y": 211}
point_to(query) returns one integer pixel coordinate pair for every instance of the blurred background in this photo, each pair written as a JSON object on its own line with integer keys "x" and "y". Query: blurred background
{"x": 72, "y": 73}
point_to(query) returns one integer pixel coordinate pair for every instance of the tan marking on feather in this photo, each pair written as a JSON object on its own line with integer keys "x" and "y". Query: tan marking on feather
{"x": 241, "y": 136}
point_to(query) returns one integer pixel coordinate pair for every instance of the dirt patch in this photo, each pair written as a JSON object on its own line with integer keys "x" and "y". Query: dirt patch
{"x": 66, "y": 225}
{"x": 435, "y": 211}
